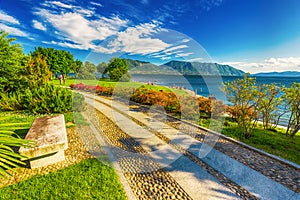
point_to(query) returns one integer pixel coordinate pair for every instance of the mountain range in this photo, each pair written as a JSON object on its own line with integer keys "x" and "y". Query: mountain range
{"x": 279, "y": 74}
{"x": 183, "y": 67}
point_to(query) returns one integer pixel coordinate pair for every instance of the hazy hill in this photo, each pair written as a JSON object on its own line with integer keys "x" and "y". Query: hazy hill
{"x": 186, "y": 68}
{"x": 281, "y": 74}
{"x": 194, "y": 68}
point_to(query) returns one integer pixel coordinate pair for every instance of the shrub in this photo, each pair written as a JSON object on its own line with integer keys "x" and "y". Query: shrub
{"x": 41, "y": 100}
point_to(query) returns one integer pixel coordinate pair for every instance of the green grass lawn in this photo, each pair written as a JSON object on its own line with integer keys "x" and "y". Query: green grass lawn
{"x": 272, "y": 142}
{"x": 108, "y": 83}
{"x": 89, "y": 179}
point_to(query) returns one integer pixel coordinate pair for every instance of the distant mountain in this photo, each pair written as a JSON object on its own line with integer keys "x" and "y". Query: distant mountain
{"x": 185, "y": 68}
{"x": 281, "y": 74}
{"x": 196, "y": 68}
{"x": 135, "y": 63}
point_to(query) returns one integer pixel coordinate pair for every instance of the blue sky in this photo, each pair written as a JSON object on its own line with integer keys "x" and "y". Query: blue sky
{"x": 252, "y": 35}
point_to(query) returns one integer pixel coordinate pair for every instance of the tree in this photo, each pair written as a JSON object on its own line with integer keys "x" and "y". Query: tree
{"x": 243, "y": 95}
{"x": 59, "y": 61}
{"x": 101, "y": 68}
{"x": 76, "y": 66}
{"x": 87, "y": 71}
{"x": 11, "y": 59}
{"x": 269, "y": 103}
{"x": 36, "y": 72}
{"x": 292, "y": 96}
{"x": 118, "y": 70}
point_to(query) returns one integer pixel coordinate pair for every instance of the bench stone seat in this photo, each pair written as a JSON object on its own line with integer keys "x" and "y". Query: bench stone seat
{"x": 50, "y": 137}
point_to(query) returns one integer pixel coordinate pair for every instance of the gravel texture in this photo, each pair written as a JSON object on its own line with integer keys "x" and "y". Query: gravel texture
{"x": 146, "y": 178}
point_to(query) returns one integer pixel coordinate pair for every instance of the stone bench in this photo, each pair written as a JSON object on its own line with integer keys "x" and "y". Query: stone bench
{"x": 50, "y": 137}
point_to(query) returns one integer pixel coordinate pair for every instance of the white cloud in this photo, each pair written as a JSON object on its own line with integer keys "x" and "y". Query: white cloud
{"x": 76, "y": 28}
{"x": 183, "y": 54}
{"x": 60, "y": 4}
{"x": 13, "y": 30}
{"x": 68, "y": 7}
{"x": 185, "y": 40}
{"x": 166, "y": 58}
{"x": 175, "y": 48}
{"x": 38, "y": 25}
{"x": 96, "y": 4}
{"x": 137, "y": 40}
{"x": 269, "y": 65}
{"x": 85, "y": 12}
{"x": 7, "y": 18}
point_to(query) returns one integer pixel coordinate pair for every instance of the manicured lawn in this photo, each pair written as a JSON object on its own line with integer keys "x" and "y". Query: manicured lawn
{"x": 272, "y": 142}
{"x": 89, "y": 179}
{"x": 107, "y": 83}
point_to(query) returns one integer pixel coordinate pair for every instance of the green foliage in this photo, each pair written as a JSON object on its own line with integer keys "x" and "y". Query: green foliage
{"x": 59, "y": 61}
{"x": 11, "y": 58}
{"x": 8, "y": 158}
{"x": 102, "y": 67}
{"x": 89, "y": 179}
{"x": 243, "y": 95}
{"x": 269, "y": 104}
{"x": 292, "y": 97}
{"x": 10, "y": 124}
{"x": 36, "y": 72}
{"x": 47, "y": 99}
{"x": 76, "y": 66}
{"x": 78, "y": 102}
{"x": 87, "y": 71}
{"x": 43, "y": 100}
{"x": 118, "y": 70}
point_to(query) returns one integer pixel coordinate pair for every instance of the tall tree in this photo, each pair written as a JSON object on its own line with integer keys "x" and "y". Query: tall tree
{"x": 269, "y": 103}
{"x": 87, "y": 71}
{"x": 118, "y": 70}
{"x": 243, "y": 95}
{"x": 292, "y": 96}
{"x": 11, "y": 59}
{"x": 76, "y": 66}
{"x": 102, "y": 68}
{"x": 59, "y": 61}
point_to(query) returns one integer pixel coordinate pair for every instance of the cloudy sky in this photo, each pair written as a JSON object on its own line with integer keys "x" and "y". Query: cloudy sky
{"x": 252, "y": 35}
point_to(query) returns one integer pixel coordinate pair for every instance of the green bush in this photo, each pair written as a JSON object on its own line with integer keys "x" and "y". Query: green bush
{"x": 43, "y": 100}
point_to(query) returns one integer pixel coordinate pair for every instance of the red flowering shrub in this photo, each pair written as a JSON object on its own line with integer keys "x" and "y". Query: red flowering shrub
{"x": 72, "y": 86}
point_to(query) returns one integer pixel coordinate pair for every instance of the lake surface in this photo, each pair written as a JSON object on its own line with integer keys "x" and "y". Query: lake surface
{"x": 206, "y": 85}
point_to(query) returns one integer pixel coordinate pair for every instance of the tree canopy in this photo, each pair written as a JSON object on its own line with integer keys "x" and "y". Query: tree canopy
{"x": 59, "y": 61}
{"x": 118, "y": 69}
{"x": 87, "y": 71}
{"x": 11, "y": 58}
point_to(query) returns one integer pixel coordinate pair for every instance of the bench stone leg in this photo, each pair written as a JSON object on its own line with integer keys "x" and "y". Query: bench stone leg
{"x": 47, "y": 160}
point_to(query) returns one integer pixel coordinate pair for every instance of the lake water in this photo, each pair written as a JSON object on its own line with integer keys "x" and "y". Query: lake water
{"x": 206, "y": 85}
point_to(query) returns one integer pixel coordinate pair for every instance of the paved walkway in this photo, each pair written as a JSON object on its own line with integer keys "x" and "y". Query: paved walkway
{"x": 196, "y": 181}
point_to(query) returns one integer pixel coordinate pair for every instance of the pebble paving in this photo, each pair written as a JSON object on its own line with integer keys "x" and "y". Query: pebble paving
{"x": 146, "y": 177}
{"x": 278, "y": 171}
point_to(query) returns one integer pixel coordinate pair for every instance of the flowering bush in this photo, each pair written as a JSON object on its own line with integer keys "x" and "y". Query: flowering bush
{"x": 191, "y": 106}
